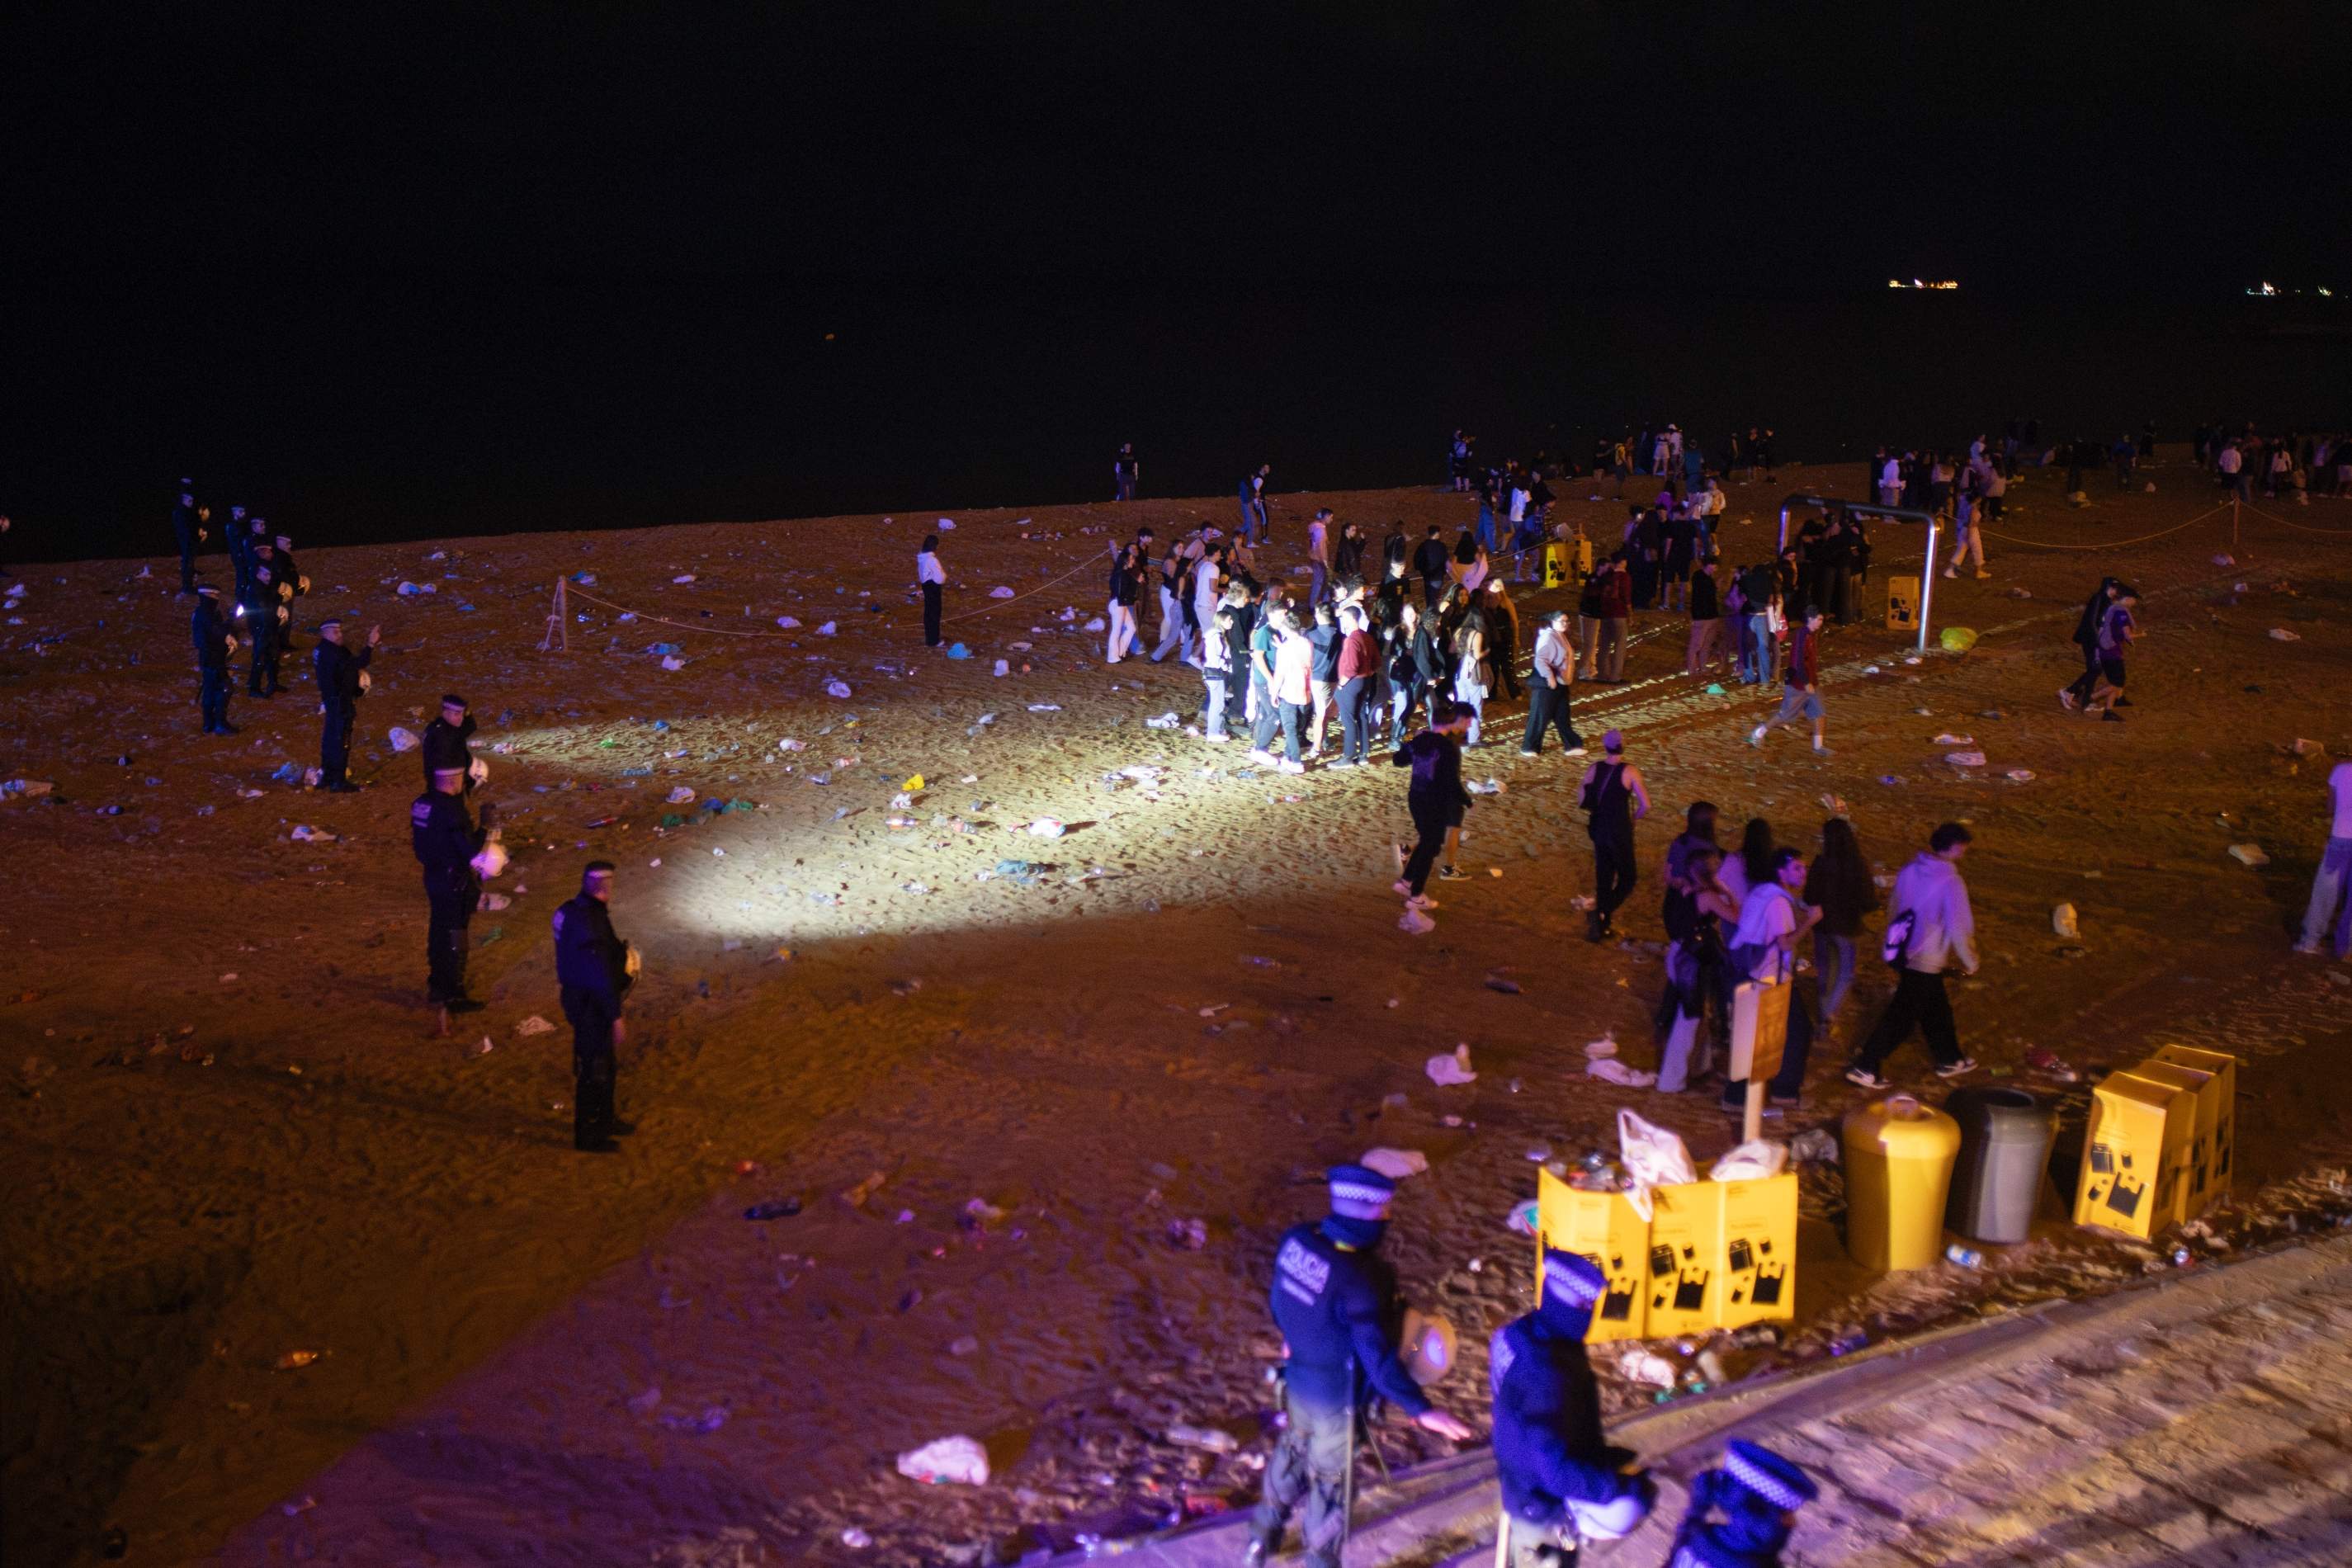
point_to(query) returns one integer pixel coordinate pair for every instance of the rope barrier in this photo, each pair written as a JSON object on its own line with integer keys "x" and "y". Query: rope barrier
{"x": 2300, "y": 527}
{"x": 2104, "y": 543}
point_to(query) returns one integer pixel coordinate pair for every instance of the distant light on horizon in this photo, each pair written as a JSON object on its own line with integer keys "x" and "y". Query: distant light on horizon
{"x": 2267, "y": 290}
{"x": 1936, "y": 284}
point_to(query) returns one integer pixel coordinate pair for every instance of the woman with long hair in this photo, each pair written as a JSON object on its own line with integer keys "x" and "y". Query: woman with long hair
{"x": 1751, "y": 867}
{"x": 1838, "y": 882}
{"x": 1693, "y": 968}
{"x": 1469, "y": 673}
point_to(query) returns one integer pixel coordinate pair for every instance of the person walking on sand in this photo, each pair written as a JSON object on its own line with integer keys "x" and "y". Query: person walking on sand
{"x": 2118, "y": 629}
{"x": 1318, "y": 555}
{"x": 1255, "y": 525}
{"x": 596, "y": 969}
{"x": 1174, "y": 632}
{"x": 1435, "y": 799}
{"x": 933, "y": 578}
{"x": 1698, "y": 910}
{"x": 1126, "y": 588}
{"x": 1217, "y": 674}
{"x": 1548, "y": 690}
{"x": 1126, "y": 472}
{"x": 2330, "y": 883}
{"x": 2086, "y": 637}
{"x": 1293, "y": 687}
{"x": 1801, "y": 695}
{"x": 1709, "y": 644}
{"x": 1773, "y": 918}
{"x": 1614, "y": 798}
{"x": 1929, "y": 929}
{"x": 1470, "y": 674}
{"x": 1838, "y": 885}
{"x": 1359, "y": 660}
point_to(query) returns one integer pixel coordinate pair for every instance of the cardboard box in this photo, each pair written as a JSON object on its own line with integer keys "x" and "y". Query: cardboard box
{"x": 2217, "y": 1126}
{"x": 1608, "y": 1229}
{"x": 1685, "y": 1263}
{"x": 2136, "y": 1154}
{"x": 1759, "y": 1251}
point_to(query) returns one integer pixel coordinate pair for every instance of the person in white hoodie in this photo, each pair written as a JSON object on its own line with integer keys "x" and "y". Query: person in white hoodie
{"x": 1931, "y": 905}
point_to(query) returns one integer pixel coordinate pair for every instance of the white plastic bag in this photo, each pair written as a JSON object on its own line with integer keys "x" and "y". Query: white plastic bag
{"x": 1453, "y": 1067}
{"x": 1751, "y": 1162}
{"x": 403, "y": 739}
{"x": 490, "y": 859}
{"x": 957, "y": 1459}
{"x": 1652, "y": 1157}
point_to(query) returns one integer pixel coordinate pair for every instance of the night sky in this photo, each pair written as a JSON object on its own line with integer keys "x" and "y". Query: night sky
{"x": 1754, "y": 149}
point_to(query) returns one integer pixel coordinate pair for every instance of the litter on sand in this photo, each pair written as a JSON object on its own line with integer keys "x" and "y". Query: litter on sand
{"x": 1453, "y": 1068}
{"x": 2250, "y": 855}
{"x": 1396, "y": 1164}
{"x": 957, "y": 1458}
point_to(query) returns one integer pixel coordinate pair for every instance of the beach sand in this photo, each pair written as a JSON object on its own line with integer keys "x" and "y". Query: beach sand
{"x": 237, "y": 1137}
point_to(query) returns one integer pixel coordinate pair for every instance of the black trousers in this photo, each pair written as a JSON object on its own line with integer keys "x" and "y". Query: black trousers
{"x": 187, "y": 562}
{"x": 594, "y": 1067}
{"x": 930, "y": 615}
{"x": 262, "y": 675}
{"x": 1919, "y": 1002}
{"x": 1429, "y": 830}
{"x": 335, "y": 743}
{"x": 212, "y": 697}
{"x": 1547, "y": 707}
{"x": 2090, "y": 676}
{"x": 1613, "y": 871}
{"x": 447, "y": 941}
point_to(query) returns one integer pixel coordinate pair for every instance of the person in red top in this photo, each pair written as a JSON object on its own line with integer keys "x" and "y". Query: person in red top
{"x": 1616, "y": 605}
{"x": 1800, "y": 694}
{"x": 1359, "y": 657}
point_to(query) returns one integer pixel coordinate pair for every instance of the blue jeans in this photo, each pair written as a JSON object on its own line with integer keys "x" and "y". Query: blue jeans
{"x": 1833, "y": 970}
{"x": 1214, "y": 679}
{"x": 1755, "y": 652}
{"x": 2328, "y": 888}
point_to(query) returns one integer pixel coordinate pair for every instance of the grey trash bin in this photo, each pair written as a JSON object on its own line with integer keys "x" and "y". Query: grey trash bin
{"x": 2005, "y": 1136}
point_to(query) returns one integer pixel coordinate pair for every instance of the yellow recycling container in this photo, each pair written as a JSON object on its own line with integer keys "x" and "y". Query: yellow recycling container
{"x": 2209, "y": 1174}
{"x": 1903, "y": 603}
{"x": 1567, "y": 562}
{"x": 1898, "y": 1171}
{"x": 1608, "y": 1229}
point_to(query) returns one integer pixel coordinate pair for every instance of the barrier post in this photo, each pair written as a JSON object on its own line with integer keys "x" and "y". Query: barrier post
{"x": 559, "y": 631}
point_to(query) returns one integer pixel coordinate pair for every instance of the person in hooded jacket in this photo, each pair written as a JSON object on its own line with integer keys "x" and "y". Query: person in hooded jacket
{"x": 1334, "y": 1302}
{"x": 1560, "y": 1478}
{"x": 1741, "y": 1513}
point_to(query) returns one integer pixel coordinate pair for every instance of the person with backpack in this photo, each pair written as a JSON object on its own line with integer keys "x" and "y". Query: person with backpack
{"x": 1613, "y": 797}
{"x": 1929, "y": 929}
{"x": 1773, "y": 918}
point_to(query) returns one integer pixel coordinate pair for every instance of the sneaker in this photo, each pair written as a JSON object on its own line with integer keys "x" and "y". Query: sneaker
{"x": 1950, "y": 574}
{"x": 2309, "y": 947}
{"x": 1288, "y": 766}
{"x": 2123, "y": 701}
{"x": 1819, "y": 750}
{"x": 1403, "y": 890}
{"x": 2066, "y": 698}
{"x": 1216, "y": 740}
{"x": 1756, "y": 737}
{"x": 1984, "y": 576}
{"x": 1421, "y": 902}
{"x": 1960, "y": 1068}
{"x": 1416, "y": 922}
{"x": 1263, "y": 759}
{"x": 2111, "y": 717}
{"x": 1452, "y": 874}
{"x": 1525, "y": 753}
{"x": 1341, "y": 762}
{"x": 1863, "y": 1077}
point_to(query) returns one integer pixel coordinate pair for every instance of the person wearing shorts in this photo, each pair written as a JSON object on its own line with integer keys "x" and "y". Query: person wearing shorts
{"x": 1800, "y": 697}
{"x": 2117, "y": 631}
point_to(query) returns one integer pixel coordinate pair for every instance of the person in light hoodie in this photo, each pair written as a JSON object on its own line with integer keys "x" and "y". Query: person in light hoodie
{"x": 1930, "y": 930}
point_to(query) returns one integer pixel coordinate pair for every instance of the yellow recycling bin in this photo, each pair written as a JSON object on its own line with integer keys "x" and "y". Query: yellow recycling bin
{"x": 1607, "y": 1229}
{"x": 1686, "y": 1264}
{"x": 2209, "y": 1174}
{"x": 1759, "y": 1251}
{"x": 2137, "y": 1154}
{"x": 1898, "y": 1171}
{"x": 1903, "y": 603}
{"x": 1567, "y": 562}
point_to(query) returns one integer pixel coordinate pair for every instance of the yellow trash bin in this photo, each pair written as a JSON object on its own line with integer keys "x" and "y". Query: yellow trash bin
{"x": 1898, "y": 1171}
{"x": 1606, "y": 1228}
{"x": 1903, "y": 603}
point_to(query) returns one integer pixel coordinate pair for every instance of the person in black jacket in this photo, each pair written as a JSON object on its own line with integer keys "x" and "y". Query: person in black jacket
{"x": 1560, "y": 1478}
{"x": 2086, "y": 637}
{"x": 1430, "y": 560}
{"x": 446, "y": 838}
{"x": 1335, "y": 1302}
{"x": 258, "y": 608}
{"x": 594, "y": 967}
{"x": 188, "y": 532}
{"x": 1435, "y": 799}
{"x": 213, "y": 642}
{"x": 342, "y": 676}
{"x": 448, "y": 740}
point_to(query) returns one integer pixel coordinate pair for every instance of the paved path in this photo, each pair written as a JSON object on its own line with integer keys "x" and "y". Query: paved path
{"x": 2206, "y": 1421}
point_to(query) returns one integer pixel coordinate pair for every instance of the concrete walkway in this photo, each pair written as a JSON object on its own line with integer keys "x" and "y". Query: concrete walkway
{"x": 2207, "y": 1420}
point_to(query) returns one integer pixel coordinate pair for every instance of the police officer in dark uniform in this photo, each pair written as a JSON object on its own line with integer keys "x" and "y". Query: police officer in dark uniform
{"x": 594, "y": 968}
{"x": 340, "y": 672}
{"x": 1742, "y": 1512}
{"x": 188, "y": 532}
{"x": 214, "y": 641}
{"x": 1561, "y": 1479}
{"x": 237, "y": 539}
{"x": 292, "y": 585}
{"x": 448, "y": 740}
{"x": 446, "y": 838}
{"x": 1336, "y": 1305}
{"x": 259, "y": 609}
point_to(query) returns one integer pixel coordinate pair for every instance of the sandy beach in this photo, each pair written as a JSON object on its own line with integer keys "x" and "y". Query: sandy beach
{"x": 293, "y": 1278}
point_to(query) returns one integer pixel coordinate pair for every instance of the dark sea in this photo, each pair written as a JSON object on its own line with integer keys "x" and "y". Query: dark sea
{"x": 356, "y": 409}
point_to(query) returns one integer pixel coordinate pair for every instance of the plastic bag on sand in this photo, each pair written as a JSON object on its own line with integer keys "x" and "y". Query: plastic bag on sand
{"x": 1452, "y": 1069}
{"x": 1396, "y": 1164}
{"x": 490, "y": 861}
{"x": 1096, "y": 625}
{"x": 1965, "y": 759}
{"x": 682, "y": 796}
{"x": 1000, "y": 592}
{"x": 1750, "y": 1162}
{"x": 1957, "y": 639}
{"x": 1652, "y": 1157}
{"x": 1647, "y": 1366}
{"x": 534, "y": 1025}
{"x": 839, "y": 688}
{"x": 1609, "y": 1070}
{"x": 2250, "y": 855}
{"x": 671, "y": 661}
{"x": 957, "y": 1459}
{"x": 789, "y": 623}
{"x": 2280, "y": 634}
{"x": 1815, "y": 1146}
{"x": 1606, "y": 1045}
{"x": 403, "y": 739}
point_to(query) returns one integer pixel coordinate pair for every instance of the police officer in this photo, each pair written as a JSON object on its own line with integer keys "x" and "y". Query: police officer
{"x": 260, "y": 609}
{"x": 1336, "y": 1305}
{"x": 446, "y": 838}
{"x": 188, "y": 532}
{"x": 448, "y": 740}
{"x": 1740, "y": 1514}
{"x": 1559, "y": 1478}
{"x": 237, "y": 539}
{"x": 213, "y": 642}
{"x": 292, "y": 585}
{"x": 341, "y": 678}
{"x": 596, "y": 969}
